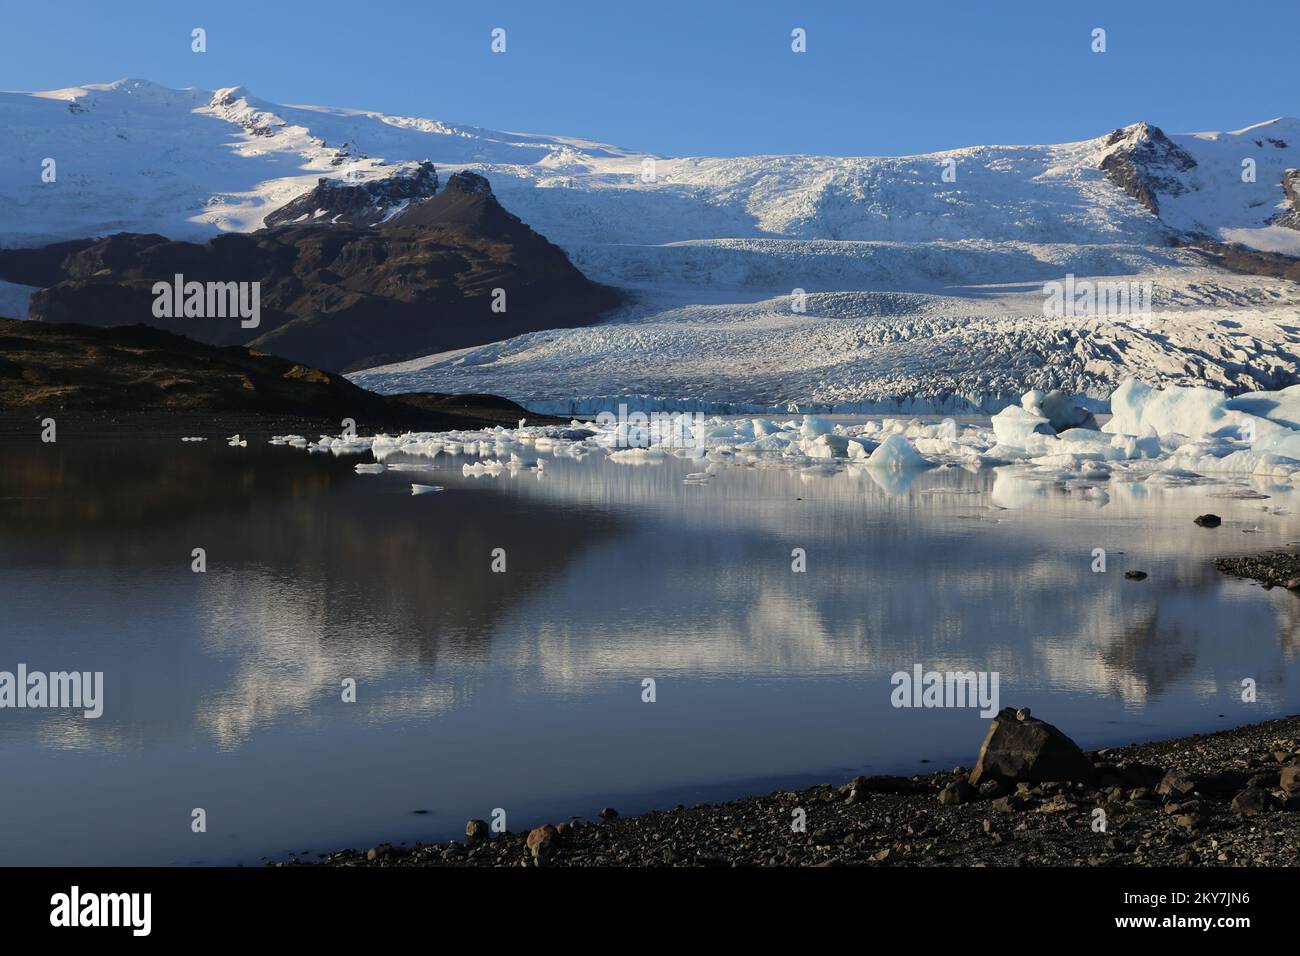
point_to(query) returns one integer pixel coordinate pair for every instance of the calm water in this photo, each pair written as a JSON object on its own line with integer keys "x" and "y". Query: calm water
{"x": 523, "y": 690}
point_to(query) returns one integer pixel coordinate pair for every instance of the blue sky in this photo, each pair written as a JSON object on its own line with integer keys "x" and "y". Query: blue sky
{"x": 683, "y": 78}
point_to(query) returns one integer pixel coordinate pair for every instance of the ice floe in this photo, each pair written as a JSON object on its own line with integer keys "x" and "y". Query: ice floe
{"x": 1163, "y": 439}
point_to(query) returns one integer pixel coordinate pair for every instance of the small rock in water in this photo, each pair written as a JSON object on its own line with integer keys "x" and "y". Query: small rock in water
{"x": 1208, "y": 521}
{"x": 1135, "y": 575}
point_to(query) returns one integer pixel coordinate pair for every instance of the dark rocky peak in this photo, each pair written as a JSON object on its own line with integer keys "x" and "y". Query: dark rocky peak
{"x": 472, "y": 183}
{"x": 466, "y": 202}
{"x": 1145, "y": 163}
{"x": 363, "y": 204}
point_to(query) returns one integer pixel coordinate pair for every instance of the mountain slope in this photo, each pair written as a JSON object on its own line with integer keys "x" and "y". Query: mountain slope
{"x": 333, "y": 296}
{"x": 712, "y": 248}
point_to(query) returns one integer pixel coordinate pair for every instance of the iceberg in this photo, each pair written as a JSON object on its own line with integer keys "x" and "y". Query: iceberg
{"x": 895, "y": 454}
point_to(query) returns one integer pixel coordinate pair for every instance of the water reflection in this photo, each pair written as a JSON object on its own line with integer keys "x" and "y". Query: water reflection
{"x": 478, "y": 689}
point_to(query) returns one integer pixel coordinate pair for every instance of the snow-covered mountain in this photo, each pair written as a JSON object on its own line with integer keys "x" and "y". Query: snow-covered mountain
{"x": 924, "y": 274}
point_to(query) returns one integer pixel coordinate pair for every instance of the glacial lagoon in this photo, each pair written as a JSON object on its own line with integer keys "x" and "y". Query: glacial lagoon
{"x": 523, "y": 690}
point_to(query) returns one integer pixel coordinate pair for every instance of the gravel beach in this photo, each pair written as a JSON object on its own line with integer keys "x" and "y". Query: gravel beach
{"x": 1224, "y": 799}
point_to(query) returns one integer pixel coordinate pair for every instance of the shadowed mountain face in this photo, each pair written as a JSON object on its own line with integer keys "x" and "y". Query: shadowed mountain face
{"x": 335, "y": 297}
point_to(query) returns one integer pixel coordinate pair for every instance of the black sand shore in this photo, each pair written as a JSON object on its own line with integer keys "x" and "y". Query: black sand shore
{"x": 1225, "y": 799}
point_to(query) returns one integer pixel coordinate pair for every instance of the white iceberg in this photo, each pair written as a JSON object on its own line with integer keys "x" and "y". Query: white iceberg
{"x": 895, "y": 454}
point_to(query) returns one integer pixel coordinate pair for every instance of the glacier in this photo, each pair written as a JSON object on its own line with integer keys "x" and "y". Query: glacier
{"x": 757, "y": 284}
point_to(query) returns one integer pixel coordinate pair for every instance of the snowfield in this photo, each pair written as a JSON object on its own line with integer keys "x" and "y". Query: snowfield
{"x": 755, "y": 283}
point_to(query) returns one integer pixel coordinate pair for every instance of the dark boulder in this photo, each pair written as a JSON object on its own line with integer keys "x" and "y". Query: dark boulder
{"x": 1252, "y": 801}
{"x": 1290, "y": 779}
{"x": 957, "y": 792}
{"x": 542, "y": 843}
{"x": 476, "y": 831}
{"x": 1030, "y": 750}
{"x": 1175, "y": 785}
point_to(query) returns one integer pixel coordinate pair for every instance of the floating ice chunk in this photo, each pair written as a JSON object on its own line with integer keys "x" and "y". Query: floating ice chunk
{"x": 424, "y": 489}
{"x": 860, "y": 449}
{"x": 895, "y": 454}
{"x": 369, "y": 469}
{"x": 478, "y": 468}
{"x": 826, "y": 445}
{"x": 1068, "y": 460}
{"x": 635, "y": 456}
{"x": 1058, "y": 408}
{"x": 1208, "y": 457}
{"x": 812, "y": 427}
{"x": 1129, "y": 447}
{"x": 345, "y": 446}
{"x": 1281, "y": 407}
{"x": 1136, "y": 408}
{"x": 1014, "y": 427}
{"x": 946, "y": 447}
{"x": 193, "y": 439}
{"x": 1004, "y": 453}
{"x": 779, "y": 441}
{"x": 382, "y": 446}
